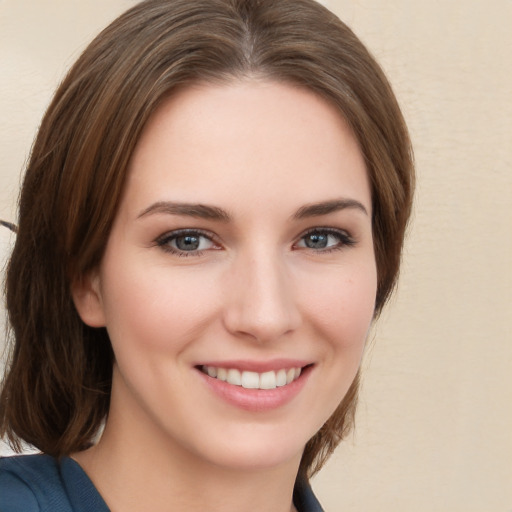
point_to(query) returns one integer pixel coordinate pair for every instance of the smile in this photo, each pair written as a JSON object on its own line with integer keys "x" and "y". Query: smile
{"x": 253, "y": 380}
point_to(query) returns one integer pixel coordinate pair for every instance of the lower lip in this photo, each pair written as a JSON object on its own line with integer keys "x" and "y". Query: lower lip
{"x": 257, "y": 400}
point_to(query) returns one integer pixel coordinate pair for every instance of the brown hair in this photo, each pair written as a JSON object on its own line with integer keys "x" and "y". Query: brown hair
{"x": 57, "y": 388}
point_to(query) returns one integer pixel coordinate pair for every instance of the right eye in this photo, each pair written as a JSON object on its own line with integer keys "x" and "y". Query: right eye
{"x": 186, "y": 242}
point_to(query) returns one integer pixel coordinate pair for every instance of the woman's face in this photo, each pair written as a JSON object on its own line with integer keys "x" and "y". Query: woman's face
{"x": 241, "y": 255}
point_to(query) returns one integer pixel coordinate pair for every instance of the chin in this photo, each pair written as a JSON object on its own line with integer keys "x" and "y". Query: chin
{"x": 254, "y": 457}
{"x": 253, "y": 448}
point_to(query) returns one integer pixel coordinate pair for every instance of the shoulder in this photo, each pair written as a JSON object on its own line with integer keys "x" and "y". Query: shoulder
{"x": 304, "y": 498}
{"x": 31, "y": 483}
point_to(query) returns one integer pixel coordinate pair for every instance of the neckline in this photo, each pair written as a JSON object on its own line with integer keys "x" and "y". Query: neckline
{"x": 84, "y": 496}
{"x": 81, "y": 491}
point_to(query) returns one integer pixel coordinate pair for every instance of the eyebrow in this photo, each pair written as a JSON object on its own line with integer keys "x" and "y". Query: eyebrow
{"x": 198, "y": 210}
{"x": 326, "y": 207}
{"x": 203, "y": 211}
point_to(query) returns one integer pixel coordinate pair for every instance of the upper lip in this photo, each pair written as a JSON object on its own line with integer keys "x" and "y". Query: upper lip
{"x": 258, "y": 366}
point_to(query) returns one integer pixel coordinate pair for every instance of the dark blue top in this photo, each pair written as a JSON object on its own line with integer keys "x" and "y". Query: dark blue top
{"x": 40, "y": 483}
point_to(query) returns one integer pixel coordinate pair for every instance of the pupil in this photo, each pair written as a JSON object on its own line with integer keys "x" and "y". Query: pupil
{"x": 316, "y": 241}
{"x": 187, "y": 243}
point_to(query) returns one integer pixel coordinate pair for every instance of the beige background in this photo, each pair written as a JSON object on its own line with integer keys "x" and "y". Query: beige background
{"x": 435, "y": 422}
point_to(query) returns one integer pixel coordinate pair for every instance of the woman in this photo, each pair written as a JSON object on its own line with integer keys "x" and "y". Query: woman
{"x": 211, "y": 218}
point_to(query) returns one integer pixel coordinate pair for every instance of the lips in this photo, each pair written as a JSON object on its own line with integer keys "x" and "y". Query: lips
{"x": 251, "y": 379}
{"x": 256, "y": 387}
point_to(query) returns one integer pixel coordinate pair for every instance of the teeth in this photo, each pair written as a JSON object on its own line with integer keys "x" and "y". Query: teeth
{"x": 234, "y": 377}
{"x": 254, "y": 380}
{"x": 281, "y": 378}
{"x": 268, "y": 380}
{"x": 250, "y": 380}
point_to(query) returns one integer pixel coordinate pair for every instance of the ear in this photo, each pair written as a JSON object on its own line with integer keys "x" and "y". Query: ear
{"x": 86, "y": 295}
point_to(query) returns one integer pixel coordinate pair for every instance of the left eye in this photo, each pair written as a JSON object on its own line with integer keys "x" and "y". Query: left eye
{"x": 324, "y": 239}
{"x": 186, "y": 242}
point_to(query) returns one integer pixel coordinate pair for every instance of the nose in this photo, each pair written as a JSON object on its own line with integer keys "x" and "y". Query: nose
{"x": 261, "y": 303}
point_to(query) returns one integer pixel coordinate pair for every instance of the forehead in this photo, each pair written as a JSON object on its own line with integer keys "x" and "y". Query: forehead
{"x": 260, "y": 137}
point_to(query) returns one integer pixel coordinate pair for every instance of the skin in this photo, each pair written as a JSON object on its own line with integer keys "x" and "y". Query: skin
{"x": 263, "y": 152}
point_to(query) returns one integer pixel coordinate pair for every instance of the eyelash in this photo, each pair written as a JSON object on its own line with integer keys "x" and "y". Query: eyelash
{"x": 344, "y": 240}
{"x": 164, "y": 241}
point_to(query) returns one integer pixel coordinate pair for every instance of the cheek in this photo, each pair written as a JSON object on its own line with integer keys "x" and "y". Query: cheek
{"x": 341, "y": 315}
{"x": 345, "y": 307}
{"x": 150, "y": 307}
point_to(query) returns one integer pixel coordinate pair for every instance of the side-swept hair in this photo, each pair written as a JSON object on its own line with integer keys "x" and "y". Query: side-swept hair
{"x": 56, "y": 390}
